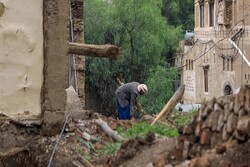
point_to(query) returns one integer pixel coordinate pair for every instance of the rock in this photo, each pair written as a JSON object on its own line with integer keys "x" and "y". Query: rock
{"x": 225, "y": 135}
{"x": 199, "y": 162}
{"x": 186, "y": 147}
{"x": 231, "y": 123}
{"x": 205, "y": 137}
{"x": 220, "y": 122}
{"x": 243, "y": 126}
{"x": 220, "y": 149}
{"x": 198, "y": 129}
{"x": 214, "y": 120}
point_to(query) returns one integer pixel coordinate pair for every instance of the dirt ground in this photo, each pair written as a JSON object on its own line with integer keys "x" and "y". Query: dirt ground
{"x": 218, "y": 136}
{"x": 24, "y": 146}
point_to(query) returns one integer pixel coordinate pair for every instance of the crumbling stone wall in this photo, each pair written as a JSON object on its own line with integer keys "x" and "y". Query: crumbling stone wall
{"x": 219, "y": 122}
{"x": 78, "y": 36}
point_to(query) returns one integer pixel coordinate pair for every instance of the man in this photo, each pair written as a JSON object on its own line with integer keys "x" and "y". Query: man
{"x": 126, "y": 96}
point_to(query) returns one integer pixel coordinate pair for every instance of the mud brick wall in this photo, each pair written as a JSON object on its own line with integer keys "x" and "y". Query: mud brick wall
{"x": 218, "y": 121}
{"x": 56, "y": 21}
{"x": 78, "y": 36}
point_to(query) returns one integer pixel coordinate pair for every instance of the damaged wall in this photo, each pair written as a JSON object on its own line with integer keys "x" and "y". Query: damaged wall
{"x": 33, "y": 57}
{"x": 21, "y": 57}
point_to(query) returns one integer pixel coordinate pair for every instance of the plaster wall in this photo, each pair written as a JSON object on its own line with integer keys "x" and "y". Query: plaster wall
{"x": 21, "y": 57}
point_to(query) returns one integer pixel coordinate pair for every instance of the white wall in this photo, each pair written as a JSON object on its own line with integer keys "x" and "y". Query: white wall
{"x": 21, "y": 57}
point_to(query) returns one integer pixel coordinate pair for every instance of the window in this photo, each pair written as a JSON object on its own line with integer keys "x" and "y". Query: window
{"x": 228, "y": 90}
{"x": 206, "y": 78}
{"x": 186, "y": 64}
{"x": 223, "y": 63}
{"x": 202, "y": 15}
{"x": 232, "y": 63}
{"x": 228, "y": 14}
{"x": 211, "y": 14}
{"x": 189, "y": 64}
{"x": 228, "y": 64}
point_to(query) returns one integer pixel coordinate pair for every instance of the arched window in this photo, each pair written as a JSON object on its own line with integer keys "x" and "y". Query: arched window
{"x": 228, "y": 90}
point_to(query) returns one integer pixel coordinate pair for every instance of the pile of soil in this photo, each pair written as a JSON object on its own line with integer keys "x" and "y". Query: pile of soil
{"x": 218, "y": 135}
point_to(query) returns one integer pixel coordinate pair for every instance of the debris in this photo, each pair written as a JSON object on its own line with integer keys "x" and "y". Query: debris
{"x": 113, "y": 134}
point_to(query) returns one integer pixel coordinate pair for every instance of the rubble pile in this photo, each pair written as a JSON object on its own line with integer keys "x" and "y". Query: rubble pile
{"x": 221, "y": 126}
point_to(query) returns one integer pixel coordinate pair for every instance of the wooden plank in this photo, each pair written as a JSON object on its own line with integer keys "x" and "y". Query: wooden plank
{"x": 171, "y": 103}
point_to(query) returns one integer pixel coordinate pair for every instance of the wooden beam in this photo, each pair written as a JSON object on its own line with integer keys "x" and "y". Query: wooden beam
{"x": 103, "y": 51}
{"x": 171, "y": 103}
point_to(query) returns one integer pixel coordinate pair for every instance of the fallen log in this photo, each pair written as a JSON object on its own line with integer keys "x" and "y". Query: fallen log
{"x": 103, "y": 51}
{"x": 171, "y": 103}
{"x": 111, "y": 133}
{"x": 79, "y": 160}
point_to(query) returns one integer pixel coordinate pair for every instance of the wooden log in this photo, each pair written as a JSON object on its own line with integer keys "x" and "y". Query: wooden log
{"x": 171, "y": 103}
{"x": 79, "y": 160}
{"x": 111, "y": 133}
{"x": 102, "y": 51}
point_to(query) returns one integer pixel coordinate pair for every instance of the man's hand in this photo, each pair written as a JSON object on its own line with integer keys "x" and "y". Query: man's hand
{"x": 139, "y": 106}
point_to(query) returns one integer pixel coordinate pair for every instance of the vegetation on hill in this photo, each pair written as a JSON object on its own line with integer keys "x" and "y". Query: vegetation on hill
{"x": 148, "y": 37}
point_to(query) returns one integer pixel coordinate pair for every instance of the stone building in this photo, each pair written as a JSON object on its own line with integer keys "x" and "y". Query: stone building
{"x": 215, "y": 62}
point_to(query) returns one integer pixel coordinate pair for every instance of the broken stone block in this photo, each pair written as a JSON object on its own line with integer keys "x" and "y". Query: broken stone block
{"x": 73, "y": 103}
{"x": 227, "y": 112}
{"x": 207, "y": 110}
{"x": 225, "y": 135}
{"x": 205, "y": 137}
{"x": 238, "y": 104}
{"x": 198, "y": 129}
{"x": 220, "y": 149}
{"x": 208, "y": 122}
{"x": 201, "y": 162}
{"x": 188, "y": 129}
{"x": 239, "y": 137}
{"x": 231, "y": 123}
{"x": 215, "y": 139}
{"x": 186, "y": 148}
{"x": 218, "y": 107}
{"x": 243, "y": 126}
{"x": 242, "y": 113}
{"x": 220, "y": 122}
{"x": 214, "y": 120}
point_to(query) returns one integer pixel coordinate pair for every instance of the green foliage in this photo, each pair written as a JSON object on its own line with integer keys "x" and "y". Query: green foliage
{"x": 179, "y": 13}
{"x": 143, "y": 35}
{"x": 109, "y": 149}
{"x": 142, "y": 128}
{"x": 83, "y": 153}
{"x": 183, "y": 118}
{"x": 161, "y": 88}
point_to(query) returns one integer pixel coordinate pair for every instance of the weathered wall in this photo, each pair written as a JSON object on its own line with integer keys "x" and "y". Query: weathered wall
{"x": 56, "y": 19}
{"x": 211, "y": 44}
{"x": 21, "y": 57}
{"x": 78, "y": 36}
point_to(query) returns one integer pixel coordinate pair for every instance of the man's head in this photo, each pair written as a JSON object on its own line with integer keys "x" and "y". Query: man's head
{"x": 142, "y": 89}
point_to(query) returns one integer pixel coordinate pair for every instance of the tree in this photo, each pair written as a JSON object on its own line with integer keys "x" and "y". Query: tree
{"x": 161, "y": 81}
{"x": 143, "y": 34}
{"x": 179, "y": 13}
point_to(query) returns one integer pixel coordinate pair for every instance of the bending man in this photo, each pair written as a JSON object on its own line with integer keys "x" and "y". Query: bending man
{"x": 126, "y": 96}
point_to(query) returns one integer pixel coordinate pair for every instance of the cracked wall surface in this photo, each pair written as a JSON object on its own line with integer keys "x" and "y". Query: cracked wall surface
{"x": 21, "y": 57}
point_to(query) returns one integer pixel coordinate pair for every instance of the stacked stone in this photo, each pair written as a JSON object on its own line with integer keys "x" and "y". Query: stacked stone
{"x": 218, "y": 121}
